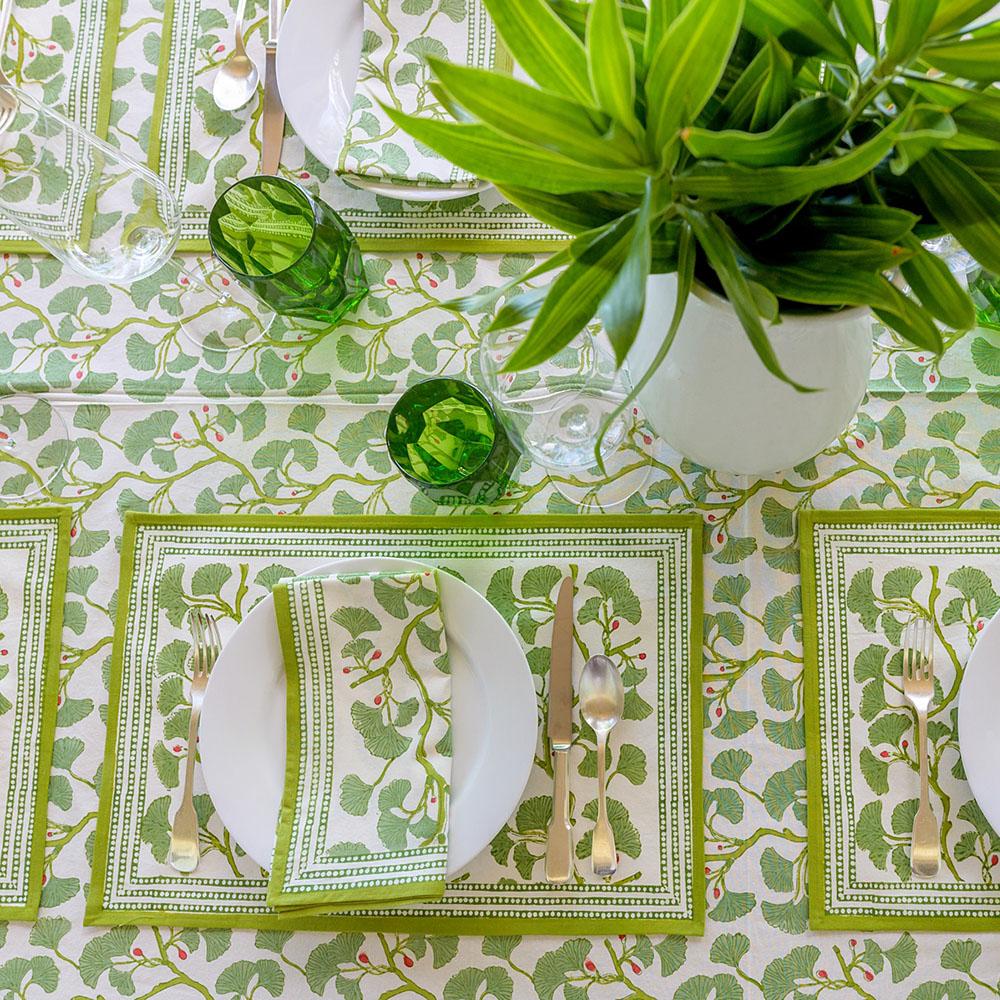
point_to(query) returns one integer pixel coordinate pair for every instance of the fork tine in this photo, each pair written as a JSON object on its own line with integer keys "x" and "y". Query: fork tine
{"x": 908, "y": 631}
{"x": 216, "y": 642}
{"x": 198, "y": 634}
{"x": 928, "y": 662}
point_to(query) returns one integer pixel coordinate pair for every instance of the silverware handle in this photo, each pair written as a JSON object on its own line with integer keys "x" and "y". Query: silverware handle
{"x": 925, "y": 849}
{"x": 602, "y": 853}
{"x": 559, "y": 850}
{"x": 239, "y": 28}
{"x": 192, "y": 753}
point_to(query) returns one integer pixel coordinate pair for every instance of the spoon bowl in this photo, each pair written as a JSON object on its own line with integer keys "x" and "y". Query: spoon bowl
{"x": 237, "y": 78}
{"x": 602, "y": 694}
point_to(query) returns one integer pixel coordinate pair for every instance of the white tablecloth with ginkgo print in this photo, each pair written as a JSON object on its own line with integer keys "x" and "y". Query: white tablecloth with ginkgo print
{"x": 116, "y": 364}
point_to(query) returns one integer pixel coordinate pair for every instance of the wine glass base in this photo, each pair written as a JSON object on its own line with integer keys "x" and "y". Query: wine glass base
{"x": 34, "y": 443}
{"x": 217, "y": 313}
{"x": 625, "y": 473}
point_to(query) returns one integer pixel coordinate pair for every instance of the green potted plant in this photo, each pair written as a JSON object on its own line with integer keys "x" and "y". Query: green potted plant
{"x": 744, "y": 181}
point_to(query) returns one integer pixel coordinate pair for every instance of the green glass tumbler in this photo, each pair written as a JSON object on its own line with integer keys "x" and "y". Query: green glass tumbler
{"x": 291, "y": 250}
{"x": 444, "y": 437}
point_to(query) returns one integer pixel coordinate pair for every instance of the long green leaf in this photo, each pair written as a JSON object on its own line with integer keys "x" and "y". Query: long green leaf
{"x": 806, "y": 126}
{"x": 686, "y": 257}
{"x": 974, "y": 59}
{"x": 876, "y": 222}
{"x": 858, "y": 17}
{"x": 963, "y": 203}
{"x": 496, "y": 157}
{"x": 715, "y": 239}
{"x": 534, "y": 116}
{"x": 712, "y": 186}
{"x": 737, "y": 108}
{"x": 777, "y": 90}
{"x": 835, "y": 252}
{"x": 486, "y": 298}
{"x": 954, "y": 14}
{"x": 574, "y": 296}
{"x": 906, "y": 26}
{"x": 612, "y": 67}
{"x": 812, "y": 283}
{"x": 937, "y": 288}
{"x": 802, "y": 26}
{"x": 688, "y": 65}
{"x": 572, "y": 213}
{"x": 622, "y": 307}
{"x": 907, "y": 318}
{"x": 544, "y": 47}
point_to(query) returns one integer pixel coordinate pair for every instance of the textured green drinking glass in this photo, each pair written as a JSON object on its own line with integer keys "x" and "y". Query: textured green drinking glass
{"x": 445, "y": 438}
{"x": 291, "y": 250}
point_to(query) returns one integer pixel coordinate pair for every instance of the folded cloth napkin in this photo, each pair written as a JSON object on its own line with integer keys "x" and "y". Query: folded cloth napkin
{"x": 364, "y": 815}
{"x": 398, "y": 35}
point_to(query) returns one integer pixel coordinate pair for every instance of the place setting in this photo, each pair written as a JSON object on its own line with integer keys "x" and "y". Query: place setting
{"x": 380, "y": 744}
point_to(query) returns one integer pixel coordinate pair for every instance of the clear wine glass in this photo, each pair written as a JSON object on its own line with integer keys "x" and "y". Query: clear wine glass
{"x": 556, "y": 411}
{"x": 96, "y": 209}
{"x": 34, "y": 443}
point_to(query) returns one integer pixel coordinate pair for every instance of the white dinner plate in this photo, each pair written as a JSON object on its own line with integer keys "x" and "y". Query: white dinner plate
{"x": 979, "y": 721}
{"x": 319, "y": 52}
{"x": 494, "y": 720}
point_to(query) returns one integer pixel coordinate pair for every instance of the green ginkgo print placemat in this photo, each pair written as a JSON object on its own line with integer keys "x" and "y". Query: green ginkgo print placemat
{"x": 34, "y": 552}
{"x": 863, "y": 577}
{"x": 638, "y": 600}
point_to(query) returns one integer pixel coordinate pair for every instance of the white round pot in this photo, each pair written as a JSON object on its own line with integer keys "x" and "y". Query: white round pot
{"x": 715, "y": 402}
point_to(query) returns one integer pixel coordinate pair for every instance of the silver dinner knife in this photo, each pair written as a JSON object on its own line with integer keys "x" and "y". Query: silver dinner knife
{"x": 274, "y": 112}
{"x": 559, "y": 851}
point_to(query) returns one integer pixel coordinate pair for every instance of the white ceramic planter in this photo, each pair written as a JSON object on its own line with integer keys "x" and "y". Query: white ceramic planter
{"x": 714, "y": 401}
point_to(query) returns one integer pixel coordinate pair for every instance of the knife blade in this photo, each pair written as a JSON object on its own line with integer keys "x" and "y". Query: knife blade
{"x": 273, "y": 126}
{"x": 558, "y": 854}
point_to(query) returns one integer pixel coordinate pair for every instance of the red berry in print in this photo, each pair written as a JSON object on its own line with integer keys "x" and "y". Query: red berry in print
{"x": 420, "y": 256}
{"x": 72, "y": 532}
{"x": 718, "y": 712}
{"x": 377, "y": 655}
{"x": 614, "y": 625}
{"x": 642, "y": 656}
{"x": 31, "y": 53}
{"x": 391, "y": 282}
{"x": 979, "y": 626}
{"x": 646, "y": 439}
{"x": 73, "y": 357}
{"x": 853, "y": 942}
{"x": 708, "y": 871}
{"x": 407, "y": 961}
{"x": 79, "y": 374}
{"x": 378, "y": 699}
{"x": 859, "y": 442}
{"x": 183, "y": 280}
{"x": 225, "y": 282}
{"x": 822, "y": 974}
{"x": 45, "y": 879}
{"x": 3, "y": 652}
{"x": 932, "y": 379}
{"x": 181, "y": 954}
{"x": 885, "y": 753}
{"x": 177, "y": 748}
{"x": 637, "y": 969}
{"x": 347, "y": 670}
{"x": 177, "y": 435}
{"x": 432, "y": 283}
{"x": 716, "y": 892}
{"x": 725, "y": 496}
{"x": 711, "y": 517}
{"x": 589, "y": 966}
{"x": 204, "y": 409}
{"x": 218, "y": 437}
{"x": 17, "y": 282}
{"x": 304, "y": 176}
{"x": 433, "y": 799}
{"x": 363, "y": 958}
{"x": 710, "y": 690}
{"x": 137, "y": 952}
{"x": 295, "y": 376}
{"x": 220, "y": 47}
{"x": 906, "y": 743}
{"x": 869, "y": 975}
{"x": 993, "y": 860}
{"x": 719, "y": 537}
{"x": 921, "y": 358}
{"x": 621, "y": 937}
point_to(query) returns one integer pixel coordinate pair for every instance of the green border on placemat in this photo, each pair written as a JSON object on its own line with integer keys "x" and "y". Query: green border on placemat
{"x": 50, "y": 688}
{"x": 819, "y": 919}
{"x": 96, "y": 915}
{"x": 112, "y": 26}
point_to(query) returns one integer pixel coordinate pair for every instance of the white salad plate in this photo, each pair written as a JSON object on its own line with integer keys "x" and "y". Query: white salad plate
{"x": 319, "y": 54}
{"x": 494, "y": 720}
{"x": 979, "y": 721}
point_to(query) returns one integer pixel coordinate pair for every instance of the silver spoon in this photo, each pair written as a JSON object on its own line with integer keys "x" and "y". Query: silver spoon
{"x": 236, "y": 80}
{"x": 602, "y": 700}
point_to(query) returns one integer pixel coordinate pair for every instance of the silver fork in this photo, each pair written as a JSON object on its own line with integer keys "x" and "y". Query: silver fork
{"x": 918, "y": 687}
{"x": 184, "y": 851}
{"x": 8, "y": 102}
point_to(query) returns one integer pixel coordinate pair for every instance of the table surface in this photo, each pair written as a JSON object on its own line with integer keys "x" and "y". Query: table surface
{"x": 116, "y": 365}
